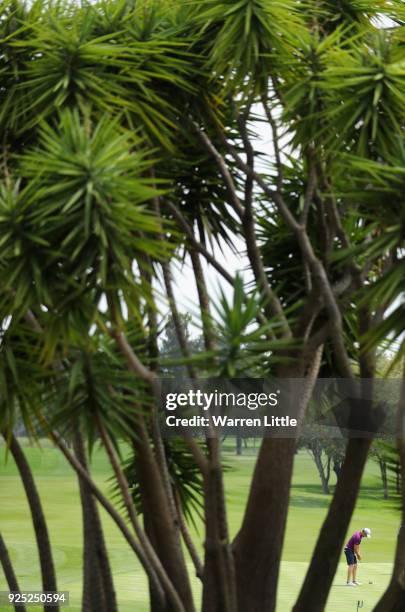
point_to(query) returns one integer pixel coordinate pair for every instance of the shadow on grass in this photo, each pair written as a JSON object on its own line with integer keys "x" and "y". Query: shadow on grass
{"x": 312, "y": 496}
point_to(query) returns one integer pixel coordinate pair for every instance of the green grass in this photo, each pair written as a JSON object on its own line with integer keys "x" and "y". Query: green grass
{"x": 58, "y": 489}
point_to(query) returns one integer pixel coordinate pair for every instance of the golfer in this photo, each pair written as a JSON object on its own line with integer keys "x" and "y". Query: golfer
{"x": 352, "y": 552}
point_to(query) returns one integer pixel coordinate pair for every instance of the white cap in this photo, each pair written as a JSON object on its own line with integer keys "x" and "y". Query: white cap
{"x": 367, "y": 531}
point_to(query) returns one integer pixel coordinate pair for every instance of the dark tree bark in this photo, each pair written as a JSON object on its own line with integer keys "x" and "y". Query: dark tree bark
{"x": 398, "y": 479}
{"x": 38, "y": 519}
{"x": 324, "y": 473}
{"x": 98, "y": 586}
{"x": 337, "y": 468}
{"x": 155, "y": 600}
{"x": 393, "y": 599}
{"x": 238, "y": 443}
{"x": 384, "y": 479}
{"x": 162, "y": 525}
{"x": 187, "y": 539}
{"x": 257, "y": 547}
{"x": 219, "y": 587}
{"x": 153, "y": 483}
{"x": 9, "y": 573}
{"x": 328, "y": 549}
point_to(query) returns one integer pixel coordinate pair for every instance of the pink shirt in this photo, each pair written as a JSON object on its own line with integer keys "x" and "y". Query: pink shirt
{"x": 354, "y": 540}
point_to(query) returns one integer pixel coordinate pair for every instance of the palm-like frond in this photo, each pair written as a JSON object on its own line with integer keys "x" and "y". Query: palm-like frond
{"x": 366, "y": 100}
{"x": 57, "y": 57}
{"x": 93, "y": 384}
{"x": 244, "y": 36}
{"x": 355, "y": 14}
{"x": 185, "y": 478}
{"x": 244, "y": 347}
{"x": 82, "y": 214}
{"x": 22, "y": 377}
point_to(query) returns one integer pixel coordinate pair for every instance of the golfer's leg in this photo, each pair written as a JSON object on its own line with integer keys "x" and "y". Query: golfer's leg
{"x": 354, "y": 571}
{"x": 349, "y": 573}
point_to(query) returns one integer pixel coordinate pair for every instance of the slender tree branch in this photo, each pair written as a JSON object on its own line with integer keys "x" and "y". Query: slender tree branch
{"x": 149, "y": 376}
{"x": 331, "y": 304}
{"x": 276, "y": 142}
{"x": 314, "y": 304}
{"x": 98, "y": 591}
{"x": 199, "y": 457}
{"x": 250, "y": 158}
{"x": 49, "y": 582}
{"x": 129, "y": 504}
{"x": 117, "y": 518}
{"x": 9, "y": 573}
{"x": 155, "y": 385}
{"x": 133, "y": 361}
{"x": 273, "y": 306}
{"x": 315, "y": 264}
{"x": 179, "y": 328}
{"x": 199, "y": 568}
{"x": 168, "y": 283}
{"x": 145, "y": 268}
{"x": 203, "y": 297}
{"x": 317, "y": 339}
{"x": 197, "y": 245}
{"x": 325, "y": 232}
{"x": 311, "y": 376}
{"x": 273, "y": 195}
{"x": 338, "y": 227}
{"x": 310, "y": 189}
{"x": 223, "y": 168}
{"x": 201, "y": 249}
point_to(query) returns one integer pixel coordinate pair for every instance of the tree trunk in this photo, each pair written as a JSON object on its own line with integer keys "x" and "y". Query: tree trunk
{"x": 328, "y": 549}
{"x": 9, "y": 573}
{"x": 317, "y": 455}
{"x": 393, "y": 599}
{"x": 38, "y": 519}
{"x": 257, "y": 547}
{"x": 166, "y": 533}
{"x": 398, "y": 479}
{"x": 98, "y": 586}
{"x": 384, "y": 480}
{"x": 150, "y": 553}
{"x": 115, "y": 515}
{"x": 337, "y": 468}
{"x": 238, "y": 443}
{"x": 219, "y": 586}
{"x": 155, "y": 599}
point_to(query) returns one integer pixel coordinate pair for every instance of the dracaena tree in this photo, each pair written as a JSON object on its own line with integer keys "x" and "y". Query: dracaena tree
{"x": 131, "y": 141}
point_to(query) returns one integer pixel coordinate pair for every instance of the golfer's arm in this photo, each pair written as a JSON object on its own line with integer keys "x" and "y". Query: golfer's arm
{"x": 357, "y": 551}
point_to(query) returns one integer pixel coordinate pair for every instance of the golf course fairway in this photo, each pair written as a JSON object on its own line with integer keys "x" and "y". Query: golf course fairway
{"x": 59, "y": 492}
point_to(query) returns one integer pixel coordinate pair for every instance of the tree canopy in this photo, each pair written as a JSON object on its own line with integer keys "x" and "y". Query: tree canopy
{"x": 132, "y": 138}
